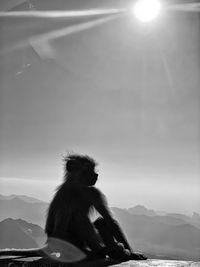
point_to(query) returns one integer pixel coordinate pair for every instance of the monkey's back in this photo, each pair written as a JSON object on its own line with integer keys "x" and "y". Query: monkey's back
{"x": 70, "y": 201}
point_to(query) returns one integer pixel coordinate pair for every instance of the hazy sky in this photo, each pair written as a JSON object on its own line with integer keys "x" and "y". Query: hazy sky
{"x": 125, "y": 93}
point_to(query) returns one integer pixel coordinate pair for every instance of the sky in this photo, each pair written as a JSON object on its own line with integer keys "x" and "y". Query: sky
{"x": 123, "y": 92}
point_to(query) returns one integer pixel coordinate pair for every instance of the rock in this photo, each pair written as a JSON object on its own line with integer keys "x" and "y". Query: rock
{"x": 158, "y": 263}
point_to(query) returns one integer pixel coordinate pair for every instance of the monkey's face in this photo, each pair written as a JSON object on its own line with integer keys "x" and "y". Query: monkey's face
{"x": 89, "y": 176}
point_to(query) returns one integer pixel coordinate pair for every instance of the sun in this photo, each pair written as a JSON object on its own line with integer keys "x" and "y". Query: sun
{"x": 146, "y": 10}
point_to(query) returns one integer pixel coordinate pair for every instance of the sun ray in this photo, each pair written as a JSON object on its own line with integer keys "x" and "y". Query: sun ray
{"x": 41, "y": 43}
{"x": 59, "y": 13}
{"x": 192, "y": 7}
{"x": 165, "y": 65}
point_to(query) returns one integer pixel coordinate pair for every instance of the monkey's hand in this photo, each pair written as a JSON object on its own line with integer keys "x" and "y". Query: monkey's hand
{"x": 103, "y": 252}
{"x": 118, "y": 252}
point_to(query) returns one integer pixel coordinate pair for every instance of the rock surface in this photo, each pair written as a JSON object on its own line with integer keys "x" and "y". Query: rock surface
{"x": 39, "y": 261}
{"x": 158, "y": 263}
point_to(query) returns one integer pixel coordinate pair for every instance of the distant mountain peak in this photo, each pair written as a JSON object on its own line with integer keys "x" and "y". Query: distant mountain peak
{"x": 21, "y": 197}
{"x": 141, "y": 210}
{"x": 196, "y": 215}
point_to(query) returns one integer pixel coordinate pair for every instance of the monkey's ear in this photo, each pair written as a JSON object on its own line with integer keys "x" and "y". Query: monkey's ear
{"x": 71, "y": 165}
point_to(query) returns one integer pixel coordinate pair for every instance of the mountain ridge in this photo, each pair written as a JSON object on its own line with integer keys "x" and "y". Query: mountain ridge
{"x": 174, "y": 236}
{"x": 22, "y": 197}
{"x": 20, "y": 234}
{"x": 22, "y": 208}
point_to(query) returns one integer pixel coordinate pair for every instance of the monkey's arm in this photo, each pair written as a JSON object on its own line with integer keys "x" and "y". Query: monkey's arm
{"x": 101, "y": 206}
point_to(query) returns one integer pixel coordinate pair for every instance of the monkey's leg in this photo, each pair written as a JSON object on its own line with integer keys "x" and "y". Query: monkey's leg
{"x": 115, "y": 250}
{"x": 104, "y": 232}
{"x": 85, "y": 231}
{"x": 111, "y": 235}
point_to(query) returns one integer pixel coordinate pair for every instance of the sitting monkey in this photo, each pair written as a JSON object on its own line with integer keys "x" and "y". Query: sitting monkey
{"x": 68, "y": 214}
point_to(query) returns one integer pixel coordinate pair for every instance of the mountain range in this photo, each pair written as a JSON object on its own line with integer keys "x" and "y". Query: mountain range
{"x": 23, "y": 207}
{"x": 162, "y": 216}
{"x": 20, "y": 234}
{"x": 166, "y": 236}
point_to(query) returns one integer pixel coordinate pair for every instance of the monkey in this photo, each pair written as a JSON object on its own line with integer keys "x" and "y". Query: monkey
{"x": 69, "y": 212}
{"x": 68, "y": 216}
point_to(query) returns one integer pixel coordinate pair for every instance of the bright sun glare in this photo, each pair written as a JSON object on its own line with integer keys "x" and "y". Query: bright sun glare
{"x": 146, "y": 10}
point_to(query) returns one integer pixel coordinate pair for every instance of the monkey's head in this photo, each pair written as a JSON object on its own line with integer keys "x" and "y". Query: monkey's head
{"x": 80, "y": 169}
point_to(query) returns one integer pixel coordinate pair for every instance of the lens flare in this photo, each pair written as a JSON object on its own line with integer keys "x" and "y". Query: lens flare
{"x": 63, "y": 251}
{"x": 146, "y": 10}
